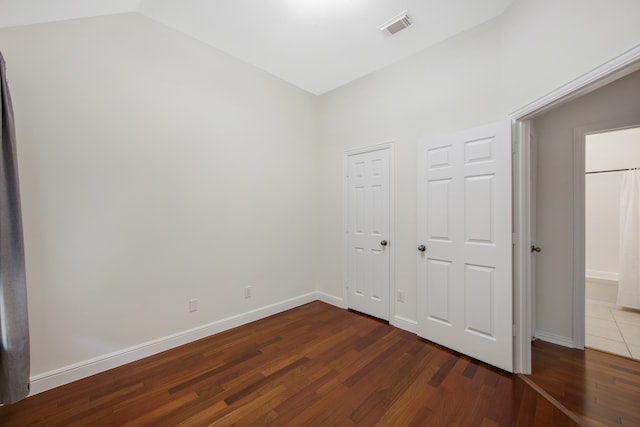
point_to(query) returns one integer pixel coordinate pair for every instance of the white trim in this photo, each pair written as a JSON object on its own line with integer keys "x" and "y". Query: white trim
{"x": 331, "y": 299}
{"x": 392, "y": 227}
{"x": 345, "y": 229}
{"x": 578, "y": 240}
{"x": 616, "y": 68}
{"x": 604, "y": 303}
{"x": 522, "y": 293}
{"x": 370, "y": 148}
{"x": 77, "y": 371}
{"x": 405, "y": 324}
{"x": 609, "y": 277}
{"x": 554, "y": 339}
{"x": 392, "y": 230}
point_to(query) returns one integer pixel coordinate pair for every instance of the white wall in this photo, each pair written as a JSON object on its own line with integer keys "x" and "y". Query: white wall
{"x": 606, "y": 151}
{"x": 617, "y": 101}
{"x": 475, "y": 78}
{"x": 602, "y": 224}
{"x": 154, "y": 170}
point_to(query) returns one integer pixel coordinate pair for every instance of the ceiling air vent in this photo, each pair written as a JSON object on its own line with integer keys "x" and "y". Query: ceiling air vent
{"x": 396, "y": 24}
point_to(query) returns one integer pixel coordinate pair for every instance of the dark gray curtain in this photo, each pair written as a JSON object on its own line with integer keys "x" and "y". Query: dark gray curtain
{"x": 14, "y": 326}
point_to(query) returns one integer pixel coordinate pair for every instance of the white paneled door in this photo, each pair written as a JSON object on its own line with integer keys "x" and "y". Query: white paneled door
{"x": 465, "y": 243}
{"x": 368, "y": 232}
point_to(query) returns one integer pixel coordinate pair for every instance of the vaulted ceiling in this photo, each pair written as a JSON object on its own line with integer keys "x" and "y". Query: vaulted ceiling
{"x": 317, "y": 45}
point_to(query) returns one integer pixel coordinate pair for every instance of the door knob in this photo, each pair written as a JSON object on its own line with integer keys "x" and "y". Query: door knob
{"x": 535, "y": 248}
{"x": 422, "y": 248}
{"x": 384, "y": 243}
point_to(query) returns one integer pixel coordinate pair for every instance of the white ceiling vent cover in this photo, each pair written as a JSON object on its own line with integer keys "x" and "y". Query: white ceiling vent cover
{"x": 396, "y": 24}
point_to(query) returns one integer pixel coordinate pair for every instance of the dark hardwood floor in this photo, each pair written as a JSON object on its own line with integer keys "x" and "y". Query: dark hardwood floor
{"x": 318, "y": 365}
{"x": 601, "y": 388}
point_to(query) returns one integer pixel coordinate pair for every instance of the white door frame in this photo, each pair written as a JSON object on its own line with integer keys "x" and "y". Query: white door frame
{"x": 606, "y": 73}
{"x": 345, "y": 222}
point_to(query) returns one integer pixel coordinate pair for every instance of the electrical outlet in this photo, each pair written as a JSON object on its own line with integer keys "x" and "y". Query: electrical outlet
{"x": 193, "y": 305}
{"x": 400, "y": 296}
{"x": 247, "y": 291}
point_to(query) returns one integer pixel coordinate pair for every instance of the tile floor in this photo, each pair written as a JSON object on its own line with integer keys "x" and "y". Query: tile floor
{"x": 612, "y": 328}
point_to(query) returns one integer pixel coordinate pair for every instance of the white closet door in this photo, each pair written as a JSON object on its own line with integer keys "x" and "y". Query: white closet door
{"x": 465, "y": 243}
{"x": 368, "y": 232}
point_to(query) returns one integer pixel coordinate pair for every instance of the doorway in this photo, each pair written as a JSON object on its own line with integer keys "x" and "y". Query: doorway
{"x": 369, "y": 217}
{"x": 612, "y": 318}
{"x": 552, "y": 308}
{"x": 560, "y": 203}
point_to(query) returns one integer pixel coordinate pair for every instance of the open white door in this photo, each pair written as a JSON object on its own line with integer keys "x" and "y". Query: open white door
{"x": 465, "y": 243}
{"x": 368, "y": 232}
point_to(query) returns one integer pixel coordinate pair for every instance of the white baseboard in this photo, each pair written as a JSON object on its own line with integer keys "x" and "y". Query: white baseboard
{"x": 605, "y": 303}
{"x": 603, "y": 276}
{"x": 331, "y": 299}
{"x": 80, "y": 370}
{"x": 77, "y": 371}
{"x": 405, "y": 324}
{"x": 554, "y": 339}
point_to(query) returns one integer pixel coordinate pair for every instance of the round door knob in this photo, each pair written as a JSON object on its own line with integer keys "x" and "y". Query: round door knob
{"x": 422, "y": 248}
{"x": 384, "y": 243}
{"x": 535, "y": 248}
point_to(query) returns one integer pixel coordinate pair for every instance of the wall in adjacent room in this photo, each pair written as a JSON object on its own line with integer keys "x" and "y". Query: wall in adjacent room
{"x": 605, "y": 151}
{"x": 618, "y": 101}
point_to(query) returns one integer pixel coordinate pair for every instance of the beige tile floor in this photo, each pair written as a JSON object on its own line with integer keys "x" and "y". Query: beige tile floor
{"x": 612, "y": 328}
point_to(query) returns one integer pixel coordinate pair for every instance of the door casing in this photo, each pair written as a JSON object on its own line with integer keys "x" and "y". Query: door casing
{"x": 616, "y": 68}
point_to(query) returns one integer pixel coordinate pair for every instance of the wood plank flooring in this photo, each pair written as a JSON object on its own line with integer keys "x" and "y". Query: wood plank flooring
{"x": 601, "y": 388}
{"x": 315, "y": 365}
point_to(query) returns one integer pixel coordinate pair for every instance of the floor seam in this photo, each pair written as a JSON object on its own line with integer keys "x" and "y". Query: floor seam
{"x": 569, "y": 413}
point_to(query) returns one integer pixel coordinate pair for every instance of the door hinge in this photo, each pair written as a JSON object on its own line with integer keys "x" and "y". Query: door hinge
{"x": 513, "y": 330}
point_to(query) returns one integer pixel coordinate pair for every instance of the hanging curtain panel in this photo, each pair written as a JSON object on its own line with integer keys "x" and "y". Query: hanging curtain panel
{"x": 629, "y": 268}
{"x": 14, "y": 326}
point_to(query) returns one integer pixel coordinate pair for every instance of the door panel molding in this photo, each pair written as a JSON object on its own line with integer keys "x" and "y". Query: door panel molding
{"x": 465, "y": 280}
{"x": 390, "y": 247}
